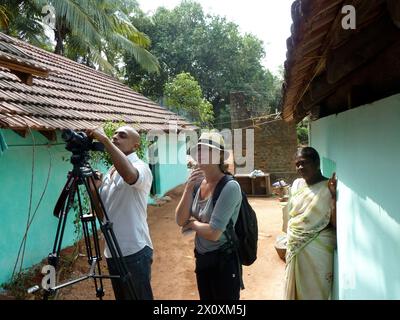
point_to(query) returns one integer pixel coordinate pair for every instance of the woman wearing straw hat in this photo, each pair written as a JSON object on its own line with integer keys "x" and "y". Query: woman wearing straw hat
{"x": 218, "y": 271}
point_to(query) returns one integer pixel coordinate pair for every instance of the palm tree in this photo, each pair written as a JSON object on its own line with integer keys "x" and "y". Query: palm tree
{"x": 86, "y": 30}
{"x": 92, "y": 27}
{"x": 21, "y": 19}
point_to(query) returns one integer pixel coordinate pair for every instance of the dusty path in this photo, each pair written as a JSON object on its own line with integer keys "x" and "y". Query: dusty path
{"x": 173, "y": 275}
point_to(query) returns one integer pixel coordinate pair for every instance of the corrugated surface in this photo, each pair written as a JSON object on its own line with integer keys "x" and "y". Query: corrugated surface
{"x": 72, "y": 96}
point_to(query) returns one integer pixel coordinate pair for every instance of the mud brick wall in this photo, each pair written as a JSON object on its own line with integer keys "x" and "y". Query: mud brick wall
{"x": 275, "y": 143}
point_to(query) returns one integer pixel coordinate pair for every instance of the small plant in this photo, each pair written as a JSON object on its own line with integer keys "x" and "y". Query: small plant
{"x": 18, "y": 285}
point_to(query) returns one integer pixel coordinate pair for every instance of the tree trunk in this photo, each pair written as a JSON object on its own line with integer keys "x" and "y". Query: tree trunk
{"x": 59, "y": 33}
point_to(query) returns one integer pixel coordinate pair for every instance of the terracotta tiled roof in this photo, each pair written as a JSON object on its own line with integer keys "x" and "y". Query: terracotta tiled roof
{"x": 71, "y": 96}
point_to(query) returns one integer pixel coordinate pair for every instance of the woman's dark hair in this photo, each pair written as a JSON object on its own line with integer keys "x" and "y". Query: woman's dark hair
{"x": 222, "y": 165}
{"x": 308, "y": 153}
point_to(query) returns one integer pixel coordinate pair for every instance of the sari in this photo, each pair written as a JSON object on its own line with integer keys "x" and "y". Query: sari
{"x": 310, "y": 243}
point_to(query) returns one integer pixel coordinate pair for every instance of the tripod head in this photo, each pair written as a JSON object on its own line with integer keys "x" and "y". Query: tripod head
{"x": 80, "y": 145}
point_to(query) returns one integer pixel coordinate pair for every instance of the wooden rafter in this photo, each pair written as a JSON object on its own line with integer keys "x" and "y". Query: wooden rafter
{"x": 49, "y": 134}
{"x": 21, "y": 132}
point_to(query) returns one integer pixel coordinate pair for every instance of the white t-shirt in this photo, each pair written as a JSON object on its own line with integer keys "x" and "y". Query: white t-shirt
{"x": 126, "y": 207}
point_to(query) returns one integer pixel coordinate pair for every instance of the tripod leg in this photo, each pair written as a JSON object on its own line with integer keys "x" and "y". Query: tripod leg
{"x": 100, "y": 288}
{"x": 90, "y": 220}
{"x": 63, "y": 206}
{"x": 61, "y": 211}
{"x": 125, "y": 275}
{"x": 86, "y": 234}
{"x": 111, "y": 240}
{"x": 68, "y": 205}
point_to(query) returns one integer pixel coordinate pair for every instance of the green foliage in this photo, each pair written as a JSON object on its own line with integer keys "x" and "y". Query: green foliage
{"x": 302, "y": 135}
{"x": 93, "y": 32}
{"x": 212, "y": 50}
{"x": 184, "y": 96}
{"x": 109, "y": 127}
{"x": 22, "y": 19}
{"x": 144, "y": 144}
{"x": 3, "y": 17}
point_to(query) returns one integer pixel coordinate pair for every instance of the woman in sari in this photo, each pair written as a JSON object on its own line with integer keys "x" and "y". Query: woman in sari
{"x": 311, "y": 235}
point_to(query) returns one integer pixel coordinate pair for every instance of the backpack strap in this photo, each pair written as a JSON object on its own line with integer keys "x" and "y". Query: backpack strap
{"x": 230, "y": 234}
{"x": 218, "y": 188}
{"x": 230, "y": 229}
{"x": 220, "y": 185}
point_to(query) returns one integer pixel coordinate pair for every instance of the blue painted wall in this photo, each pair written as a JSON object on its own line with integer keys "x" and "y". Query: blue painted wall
{"x": 172, "y": 169}
{"x": 50, "y": 161}
{"x": 364, "y": 145}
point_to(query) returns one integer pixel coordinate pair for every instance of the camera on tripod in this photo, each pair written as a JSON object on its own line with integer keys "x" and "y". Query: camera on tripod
{"x": 81, "y": 179}
{"x": 79, "y": 142}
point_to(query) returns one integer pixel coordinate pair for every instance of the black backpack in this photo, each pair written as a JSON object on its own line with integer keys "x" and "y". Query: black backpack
{"x": 244, "y": 235}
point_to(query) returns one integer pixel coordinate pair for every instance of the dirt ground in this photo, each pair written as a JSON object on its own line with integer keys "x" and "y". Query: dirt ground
{"x": 173, "y": 276}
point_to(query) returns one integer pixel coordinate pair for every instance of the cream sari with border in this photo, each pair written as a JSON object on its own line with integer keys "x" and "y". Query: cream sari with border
{"x": 310, "y": 243}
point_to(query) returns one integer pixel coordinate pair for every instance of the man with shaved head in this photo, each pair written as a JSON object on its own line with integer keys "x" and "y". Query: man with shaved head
{"x": 124, "y": 191}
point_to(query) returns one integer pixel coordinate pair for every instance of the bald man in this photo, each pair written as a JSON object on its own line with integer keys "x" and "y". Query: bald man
{"x": 124, "y": 191}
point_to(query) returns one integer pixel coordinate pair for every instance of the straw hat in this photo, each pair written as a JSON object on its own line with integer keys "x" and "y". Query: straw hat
{"x": 213, "y": 140}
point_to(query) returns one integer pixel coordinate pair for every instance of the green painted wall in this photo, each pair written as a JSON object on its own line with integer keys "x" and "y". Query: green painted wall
{"x": 15, "y": 190}
{"x": 364, "y": 144}
{"x": 51, "y": 161}
{"x": 172, "y": 169}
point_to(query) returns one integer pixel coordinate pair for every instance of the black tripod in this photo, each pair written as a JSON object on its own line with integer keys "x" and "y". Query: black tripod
{"x": 83, "y": 174}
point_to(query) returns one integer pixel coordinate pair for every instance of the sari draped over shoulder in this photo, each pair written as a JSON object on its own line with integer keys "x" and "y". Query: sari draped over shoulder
{"x": 310, "y": 242}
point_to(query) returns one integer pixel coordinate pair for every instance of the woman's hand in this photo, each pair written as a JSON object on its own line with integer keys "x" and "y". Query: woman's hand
{"x": 196, "y": 176}
{"x": 332, "y": 184}
{"x": 188, "y": 226}
{"x": 182, "y": 211}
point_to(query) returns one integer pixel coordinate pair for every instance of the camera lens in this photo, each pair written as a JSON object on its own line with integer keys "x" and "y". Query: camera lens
{"x": 67, "y": 134}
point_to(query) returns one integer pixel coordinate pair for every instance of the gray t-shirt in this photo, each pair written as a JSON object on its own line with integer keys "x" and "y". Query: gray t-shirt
{"x": 227, "y": 207}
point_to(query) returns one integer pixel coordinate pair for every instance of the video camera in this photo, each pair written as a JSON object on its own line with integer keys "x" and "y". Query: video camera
{"x": 79, "y": 142}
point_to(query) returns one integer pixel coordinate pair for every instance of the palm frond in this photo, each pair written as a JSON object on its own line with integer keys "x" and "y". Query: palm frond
{"x": 3, "y": 17}
{"x": 143, "y": 57}
{"x": 75, "y": 14}
{"x": 103, "y": 64}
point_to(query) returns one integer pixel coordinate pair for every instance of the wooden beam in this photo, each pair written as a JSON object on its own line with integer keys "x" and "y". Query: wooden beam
{"x": 326, "y": 84}
{"x": 371, "y": 82}
{"x": 366, "y": 13}
{"x": 360, "y": 49}
{"x": 21, "y": 132}
{"x": 318, "y": 90}
{"x": 24, "y": 77}
{"x": 315, "y": 112}
{"x": 49, "y": 134}
{"x": 14, "y": 65}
